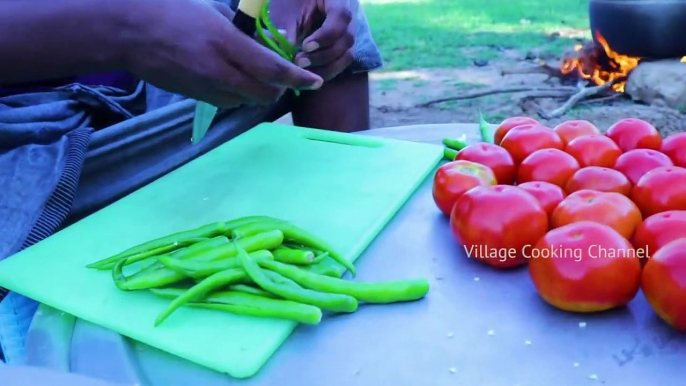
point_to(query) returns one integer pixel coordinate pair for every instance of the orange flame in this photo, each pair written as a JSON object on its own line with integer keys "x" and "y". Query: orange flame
{"x": 619, "y": 66}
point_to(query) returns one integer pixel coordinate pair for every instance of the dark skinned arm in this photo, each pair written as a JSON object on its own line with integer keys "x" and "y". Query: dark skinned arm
{"x": 159, "y": 41}
{"x": 48, "y": 39}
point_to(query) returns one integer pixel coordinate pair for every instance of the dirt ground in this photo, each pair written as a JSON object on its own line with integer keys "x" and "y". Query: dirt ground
{"x": 394, "y": 96}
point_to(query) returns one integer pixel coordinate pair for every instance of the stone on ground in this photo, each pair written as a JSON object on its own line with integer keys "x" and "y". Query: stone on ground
{"x": 659, "y": 83}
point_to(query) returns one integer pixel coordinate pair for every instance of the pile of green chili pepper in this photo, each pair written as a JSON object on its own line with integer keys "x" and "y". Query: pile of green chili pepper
{"x": 256, "y": 265}
{"x": 454, "y": 145}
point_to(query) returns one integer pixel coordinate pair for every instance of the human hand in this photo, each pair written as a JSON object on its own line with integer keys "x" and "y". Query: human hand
{"x": 192, "y": 48}
{"x": 328, "y": 50}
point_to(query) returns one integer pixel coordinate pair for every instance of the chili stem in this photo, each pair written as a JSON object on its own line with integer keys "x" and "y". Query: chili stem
{"x": 449, "y": 154}
{"x": 454, "y": 144}
{"x": 293, "y": 256}
{"x": 487, "y": 134}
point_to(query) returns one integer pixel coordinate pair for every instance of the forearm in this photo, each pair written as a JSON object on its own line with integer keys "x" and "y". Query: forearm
{"x": 46, "y": 39}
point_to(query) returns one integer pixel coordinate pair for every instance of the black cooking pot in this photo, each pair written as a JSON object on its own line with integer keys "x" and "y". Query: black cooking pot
{"x": 645, "y": 28}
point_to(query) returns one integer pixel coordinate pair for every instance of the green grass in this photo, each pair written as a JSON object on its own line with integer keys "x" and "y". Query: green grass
{"x": 452, "y": 33}
{"x": 387, "y": 84}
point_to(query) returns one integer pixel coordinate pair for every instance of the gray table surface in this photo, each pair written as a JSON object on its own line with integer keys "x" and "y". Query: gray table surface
{"x": 477, "y": 326}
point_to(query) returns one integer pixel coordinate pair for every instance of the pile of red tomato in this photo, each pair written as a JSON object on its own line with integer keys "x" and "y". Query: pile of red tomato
{"x": 596, "y": 217}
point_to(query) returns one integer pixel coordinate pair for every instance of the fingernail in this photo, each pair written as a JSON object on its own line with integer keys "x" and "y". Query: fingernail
{"x": 303, "y": 62}
{"x": 310, "y": 46}
{"x": 316, "y": 85}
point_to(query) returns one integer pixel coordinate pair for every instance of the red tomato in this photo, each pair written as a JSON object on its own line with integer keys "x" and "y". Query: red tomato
{"x": 570, "y": 130}
{"x": 612, "y": 209}
{"x": 633, "y": 133}
{"x": 594, "y": 150}
{"x": 493, "y": 156}
{"x": 635, "y": 163}
{"x": 521, "y": 141}
{"x": 600, "y": 179}
{"x": 674, "y": 146}
{"x": 549, "y": 165}
{"x": 664, "y": 283}
{"x": 509, "y": 124}
{"x": 658, "y": 230}
{"x": 547, "y": 194}
{"x": 453, "y": 179}
{"x": 496, "y": 223}
{"x": 585, "y": 267}
{"x": 660, "y": 190}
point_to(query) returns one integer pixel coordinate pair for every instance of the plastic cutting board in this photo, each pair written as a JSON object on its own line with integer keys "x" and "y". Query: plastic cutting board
{"x": 343, "y": 187}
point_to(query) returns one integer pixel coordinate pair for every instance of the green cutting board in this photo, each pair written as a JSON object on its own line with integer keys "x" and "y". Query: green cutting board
{"x": 343, "y": 187}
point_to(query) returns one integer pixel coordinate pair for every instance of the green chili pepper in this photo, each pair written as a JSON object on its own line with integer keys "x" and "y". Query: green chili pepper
{"x": 168, "y": 292}
{"x": 264, "y": 240}
{"x": 318, "y": 255}
{"x": 239, "y": 222}
{"x": 160, "y": 276}
{"x": 287, "y": 50}
{"x": 454, "y": 144}
{"x": 158, "y": 252}
{"x": 295, "y": 234}
{"x": 293, "y": 256}
{"x": 164, "y": 276}
{"x": 292, "y": 245}
{"x": 248, "y": 289}
{"x": 487, "y": 135}
{"x": 198, "y": 291}
{"x": 281, "y": 40}
{"x": 383, "y": 292}
{"x": 156, "y": 276}
{"x": 201, "y": 268}
{"x": 271, "y": 43}
{"x": 449, "y": 154}
{"x": 289, "y": 290}
{"x": 291, "y": 311}
{"x": 251, "y": 304}
{"x": 312, "y": 314}
{"x": 205, "y": 231}
{"x": 171, "y": 293}
{"x": 326, "y": 267}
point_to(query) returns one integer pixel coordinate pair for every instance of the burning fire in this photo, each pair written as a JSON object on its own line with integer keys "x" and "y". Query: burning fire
{"x": 599, "y": 66}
